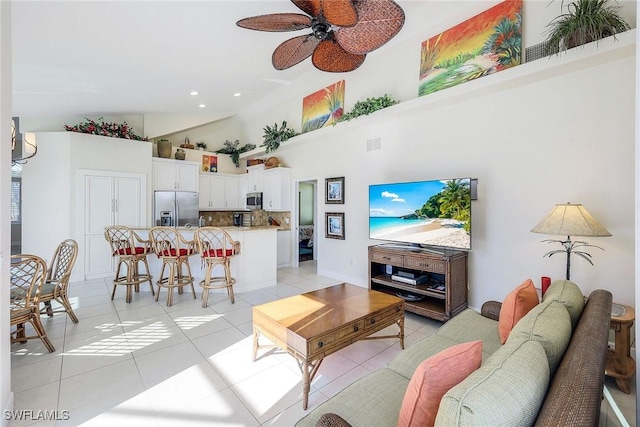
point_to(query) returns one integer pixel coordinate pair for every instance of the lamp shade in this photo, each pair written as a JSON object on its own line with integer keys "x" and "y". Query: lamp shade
{"x": 570, "y": 220}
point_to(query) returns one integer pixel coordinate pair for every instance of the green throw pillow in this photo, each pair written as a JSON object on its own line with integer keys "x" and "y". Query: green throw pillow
{"x": 508, "y": 390}
{"x": 548, "y": 323}
{"x": 570, "y": 295}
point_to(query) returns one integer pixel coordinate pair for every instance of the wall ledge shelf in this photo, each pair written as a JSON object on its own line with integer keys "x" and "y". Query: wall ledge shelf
{"x": 592, "y": 54}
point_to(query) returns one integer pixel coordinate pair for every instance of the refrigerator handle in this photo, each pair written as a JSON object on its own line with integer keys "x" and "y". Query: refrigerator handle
{"x": 175, "y": 206}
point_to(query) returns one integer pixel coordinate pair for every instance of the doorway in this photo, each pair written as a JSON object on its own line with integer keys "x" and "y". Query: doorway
{"x": 305, "y": 218}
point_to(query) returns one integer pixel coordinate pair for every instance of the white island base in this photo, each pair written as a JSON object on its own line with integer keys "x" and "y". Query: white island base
{"x": 254, "y": 268}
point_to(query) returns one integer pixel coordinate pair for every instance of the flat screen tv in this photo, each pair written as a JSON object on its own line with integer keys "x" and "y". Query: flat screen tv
{"x": 434, "y": 213}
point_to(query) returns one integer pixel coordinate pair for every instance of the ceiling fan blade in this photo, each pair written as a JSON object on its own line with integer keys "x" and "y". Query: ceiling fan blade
{"x": 293, "y": 51}
{"x": 276, "y": 22}
{"x": 330, "y": 56}
{"x": 338, "y": 12}
{"x": 378, "y": 22}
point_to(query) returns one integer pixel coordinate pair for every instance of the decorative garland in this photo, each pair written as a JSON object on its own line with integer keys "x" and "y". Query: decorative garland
{"x": 113, "y": 130}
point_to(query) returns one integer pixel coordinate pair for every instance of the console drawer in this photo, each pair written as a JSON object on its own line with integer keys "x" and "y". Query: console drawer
{"x": 387, "y": 258}
{"x": 433, "y": 266}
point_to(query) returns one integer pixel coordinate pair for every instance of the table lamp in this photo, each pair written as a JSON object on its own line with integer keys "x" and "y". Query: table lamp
{"x": 570, "y": 220}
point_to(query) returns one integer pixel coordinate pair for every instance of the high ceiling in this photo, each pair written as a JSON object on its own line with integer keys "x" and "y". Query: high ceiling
{"x": 145, "y": 57}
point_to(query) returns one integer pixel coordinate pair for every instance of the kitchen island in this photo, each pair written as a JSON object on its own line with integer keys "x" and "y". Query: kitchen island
{"x": 254, "y": 268}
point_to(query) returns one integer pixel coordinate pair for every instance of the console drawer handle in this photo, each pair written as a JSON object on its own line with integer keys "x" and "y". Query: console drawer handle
{"x": 320, "y": 344}
{"x": 372, "y": 321}
{"x": 355, "y": 329}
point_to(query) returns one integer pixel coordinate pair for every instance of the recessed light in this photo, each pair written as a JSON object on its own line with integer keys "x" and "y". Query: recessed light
{"x": 202, "y": 105}
{"x": 237, "y": 94}
{"x": 193, "y": 93}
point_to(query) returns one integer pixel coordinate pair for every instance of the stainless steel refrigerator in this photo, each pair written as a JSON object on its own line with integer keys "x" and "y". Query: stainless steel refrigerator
{"x": 175, "y": 208}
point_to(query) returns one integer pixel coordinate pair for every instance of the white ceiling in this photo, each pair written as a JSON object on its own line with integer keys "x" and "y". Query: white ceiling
{"x": 145, "y": 57}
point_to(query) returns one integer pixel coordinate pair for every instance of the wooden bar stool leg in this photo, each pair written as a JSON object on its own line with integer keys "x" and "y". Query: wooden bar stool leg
{"x": 193, "y": 289}
{"x": 146, "y": 266}
{"x": 160, "y": 279}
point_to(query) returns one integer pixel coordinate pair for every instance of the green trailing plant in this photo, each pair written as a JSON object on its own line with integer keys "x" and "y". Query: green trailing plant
{"x": 584, "y": 21}
{"x": 274, "y": 136}
{"x": 368, "y": 106}
{"x": 233, "y": 150}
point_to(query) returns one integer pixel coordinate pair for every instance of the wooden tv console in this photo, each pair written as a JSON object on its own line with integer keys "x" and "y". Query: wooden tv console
{"x": 442, "y": 296}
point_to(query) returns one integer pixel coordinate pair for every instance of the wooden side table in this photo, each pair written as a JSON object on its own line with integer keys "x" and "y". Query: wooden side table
{"x": 620, "y": 365}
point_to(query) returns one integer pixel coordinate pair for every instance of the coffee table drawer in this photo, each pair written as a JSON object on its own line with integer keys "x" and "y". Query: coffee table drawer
{"x": 373, "y": 321}
{"x": 325, "y": 341}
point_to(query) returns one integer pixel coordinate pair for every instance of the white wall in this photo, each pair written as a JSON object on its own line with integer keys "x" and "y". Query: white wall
{"x": 50, "y": 188}
{"x": 547, "y": 132}
{"x": 6, "y": 396}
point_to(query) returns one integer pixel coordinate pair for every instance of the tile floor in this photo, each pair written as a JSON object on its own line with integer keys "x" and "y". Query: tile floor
{"x": 151, "y": 365}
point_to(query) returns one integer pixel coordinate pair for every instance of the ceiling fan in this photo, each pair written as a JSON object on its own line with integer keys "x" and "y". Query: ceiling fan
{"x": 342, "y": 32}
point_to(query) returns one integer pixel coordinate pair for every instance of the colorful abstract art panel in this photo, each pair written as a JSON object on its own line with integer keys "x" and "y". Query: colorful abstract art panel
{"x": 323, "y": 108}
{"x": 485, "y": 44}
{"x": 209, "y": 163}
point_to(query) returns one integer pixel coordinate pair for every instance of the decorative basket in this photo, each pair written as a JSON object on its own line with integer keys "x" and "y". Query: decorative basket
{"x": 187, "y": 144}
{"x": 272, "y": 162}
{"x": 253, "y": 162}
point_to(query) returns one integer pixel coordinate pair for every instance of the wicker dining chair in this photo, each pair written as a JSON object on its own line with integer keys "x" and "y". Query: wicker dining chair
{"x": 174, "y": 251}
{"x": 216, "y": 247}
{"x": 27, "y": 274}
{"x": 131, "y": 250}
{"x": 56, "y": 284}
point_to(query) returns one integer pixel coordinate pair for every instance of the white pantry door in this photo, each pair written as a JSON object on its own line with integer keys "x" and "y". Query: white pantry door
{"x": 110, "y": 198}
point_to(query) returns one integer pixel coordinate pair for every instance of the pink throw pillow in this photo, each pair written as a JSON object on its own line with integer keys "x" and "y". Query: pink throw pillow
{"x": 515, "y": 306}
{"x": 433, "y": 378}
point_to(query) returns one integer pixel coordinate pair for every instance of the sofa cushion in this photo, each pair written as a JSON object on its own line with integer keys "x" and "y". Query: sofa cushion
{"x": 406, "y": 362}
{"x": 433, "y": 378}
{"x": 570, "y": 295}
{"x": 458, "y": 330}
{"x": 514, "y": 307}
{"x": 376, "y": 396}
{"x": 550, "y": 324}
{"x": 508, "y": 390}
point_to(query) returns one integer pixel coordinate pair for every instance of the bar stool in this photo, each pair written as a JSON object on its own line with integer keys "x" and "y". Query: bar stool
{"x": 216, "y": 247}
{"x": 131, "y": 250}
{"x": 174, "y": 250}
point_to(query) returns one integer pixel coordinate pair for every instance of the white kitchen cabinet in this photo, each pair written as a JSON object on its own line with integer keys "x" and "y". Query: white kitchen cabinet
{"x": 219, "y": 192}
{"x": 277, "y": 190}
{"x": 232, "y": 192}
{"x": 175, "y": 175}
{"x": 243, "y": 185}
{"x": 255, "y": 179}
{"x": 284, "y": 248}
{"x": 109, "y": 199}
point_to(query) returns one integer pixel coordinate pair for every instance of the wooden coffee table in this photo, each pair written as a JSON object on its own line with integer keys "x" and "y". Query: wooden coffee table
{"x": 313, "y": 325}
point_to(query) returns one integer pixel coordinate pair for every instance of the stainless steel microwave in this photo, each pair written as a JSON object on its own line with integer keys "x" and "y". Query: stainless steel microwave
{"x": 254, "y": 201}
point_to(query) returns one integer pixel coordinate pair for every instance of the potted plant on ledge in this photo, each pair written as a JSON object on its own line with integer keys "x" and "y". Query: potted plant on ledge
{"x": 585, "y": 21}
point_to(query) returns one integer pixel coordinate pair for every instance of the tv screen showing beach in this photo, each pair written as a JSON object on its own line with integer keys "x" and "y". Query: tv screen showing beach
{"x": 426, "y": 213}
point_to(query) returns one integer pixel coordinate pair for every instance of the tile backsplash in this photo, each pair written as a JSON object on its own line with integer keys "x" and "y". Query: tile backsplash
{"x": 258, "y": 218}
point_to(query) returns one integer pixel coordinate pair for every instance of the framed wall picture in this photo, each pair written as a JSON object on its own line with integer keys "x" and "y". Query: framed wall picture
{"x": 334, "y": 225}
{"x": 334, "y": 191}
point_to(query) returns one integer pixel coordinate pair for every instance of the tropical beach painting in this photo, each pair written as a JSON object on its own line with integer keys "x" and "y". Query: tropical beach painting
{"x": 323, "y": 108}
{"x": 426, "y": 213}
{"x": 485, "y": 44}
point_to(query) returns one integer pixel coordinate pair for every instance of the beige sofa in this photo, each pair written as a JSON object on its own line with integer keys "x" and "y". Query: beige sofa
{"x": 549, "y": 372}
